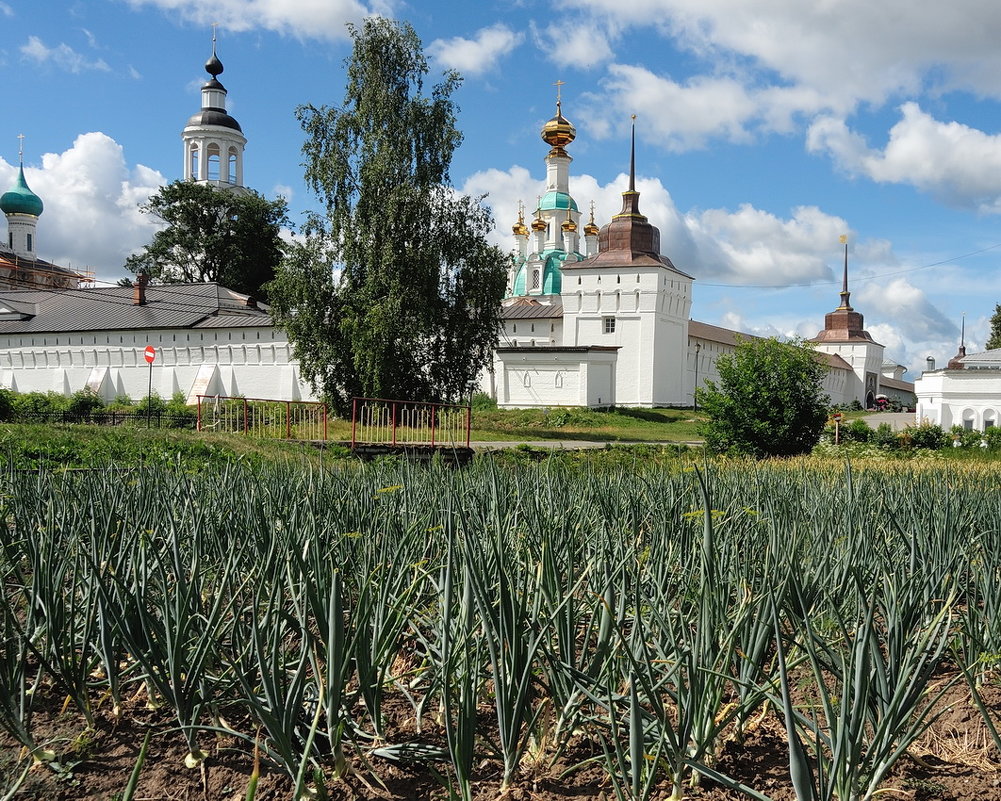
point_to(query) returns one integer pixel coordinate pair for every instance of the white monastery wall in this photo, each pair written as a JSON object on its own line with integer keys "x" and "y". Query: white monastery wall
{"x": 970, "y": 398}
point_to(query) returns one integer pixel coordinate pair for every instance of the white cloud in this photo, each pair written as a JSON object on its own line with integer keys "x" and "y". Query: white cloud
{"x": 959, "y": 165}
{"x": 849, "y": 50}
{"x": 306, "y": 19}
{"x": 62, "y": 56}
{"x": 683, "y": 116}
{"x": 283, "y": 190}
{"x": 748, "y": 246}
{"x": 91, "y": 218}
{"x": 6, "y": 10}
{"x": 575, "y": 44}
{"x": 478, "y": 55}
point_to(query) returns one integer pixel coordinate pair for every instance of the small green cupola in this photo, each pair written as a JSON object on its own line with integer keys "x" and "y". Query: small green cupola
{"x": 20, "y": 199}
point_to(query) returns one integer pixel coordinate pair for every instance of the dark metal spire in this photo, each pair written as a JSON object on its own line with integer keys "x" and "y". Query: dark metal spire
{"x": 632, "y": 158}
{"x": 845, "y": 294}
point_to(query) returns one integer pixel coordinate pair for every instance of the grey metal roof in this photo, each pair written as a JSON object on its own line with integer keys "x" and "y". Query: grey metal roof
{"x": 112, "y": 309}
{"x": 533, "y": 309}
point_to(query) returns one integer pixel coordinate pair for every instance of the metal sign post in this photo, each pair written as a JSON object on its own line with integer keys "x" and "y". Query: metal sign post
{"x": 150, "y": 356}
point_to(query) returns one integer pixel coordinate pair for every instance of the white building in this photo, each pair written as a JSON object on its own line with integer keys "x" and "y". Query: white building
{"x": 209, "y": 340}
{"x": 608, "y": 323}
{"x": 966, "y": 393}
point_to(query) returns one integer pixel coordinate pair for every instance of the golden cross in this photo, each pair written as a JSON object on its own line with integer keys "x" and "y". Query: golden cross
{"x": 558, "y": 84}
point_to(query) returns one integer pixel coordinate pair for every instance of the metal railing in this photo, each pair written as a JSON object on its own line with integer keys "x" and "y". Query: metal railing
{"x": 261, "y": 417}
{"x": 378, "y": 421}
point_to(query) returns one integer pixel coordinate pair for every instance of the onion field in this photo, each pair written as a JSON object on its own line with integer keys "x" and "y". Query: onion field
{"x": 791, "y": 630}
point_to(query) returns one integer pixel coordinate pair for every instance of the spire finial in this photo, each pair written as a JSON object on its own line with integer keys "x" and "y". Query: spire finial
{"x": 20, "y": 149}
{"x": 845, "y": 294}
{"x": 962, "y": 335}
{"x": 214, "y": 66}
{"x": 632, "y": 157}
{"x": 558, "y": 85}
{"x": 214, "y": 26}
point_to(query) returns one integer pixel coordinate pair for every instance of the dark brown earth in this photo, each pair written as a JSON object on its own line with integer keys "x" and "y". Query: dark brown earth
{"x": 955, "y": 761}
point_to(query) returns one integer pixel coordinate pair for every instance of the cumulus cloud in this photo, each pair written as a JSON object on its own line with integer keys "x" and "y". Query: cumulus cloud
{"x": 747, "y": 246}
{"x": 577, "y": 44}
{"x": 91, "y": 196}
{"x": 478, "y": 55}
{"x": 959, "y": 165}
{"x": 62, "y": 56}
{"x": 850, "y": 50}
{"x": 305, "y": 19}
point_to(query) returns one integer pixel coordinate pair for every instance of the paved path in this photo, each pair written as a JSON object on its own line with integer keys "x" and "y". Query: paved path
{"x": 898, "y": 420}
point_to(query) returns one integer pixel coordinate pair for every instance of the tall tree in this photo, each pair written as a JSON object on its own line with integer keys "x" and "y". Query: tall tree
{"x": 213, "y": 234}
{"x": 394, "y": 292}
{"x": 769, "y": 400}
{"x": 994, "y": 340}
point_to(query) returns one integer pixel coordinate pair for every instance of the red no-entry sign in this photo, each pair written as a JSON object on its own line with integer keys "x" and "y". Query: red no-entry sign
{"x": 149, "y": 354}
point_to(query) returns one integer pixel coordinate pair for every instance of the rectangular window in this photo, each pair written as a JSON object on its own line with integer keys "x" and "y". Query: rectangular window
{"x": 609, "y": 325}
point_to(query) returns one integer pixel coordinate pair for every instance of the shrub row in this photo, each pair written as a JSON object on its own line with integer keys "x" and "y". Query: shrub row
{"x": 86, "y": 405}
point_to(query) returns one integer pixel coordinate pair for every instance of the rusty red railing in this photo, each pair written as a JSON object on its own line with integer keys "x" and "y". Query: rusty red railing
{"x": 263, "y": 417}
{"x": 379, "y": 421}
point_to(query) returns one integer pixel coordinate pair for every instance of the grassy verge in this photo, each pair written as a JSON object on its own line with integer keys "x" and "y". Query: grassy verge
{"x": 617, "y": 425}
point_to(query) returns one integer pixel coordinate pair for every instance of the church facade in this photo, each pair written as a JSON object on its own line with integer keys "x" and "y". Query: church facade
{"x": 600, "y": 317}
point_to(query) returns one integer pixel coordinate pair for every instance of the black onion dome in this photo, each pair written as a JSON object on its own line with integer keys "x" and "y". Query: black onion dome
{"x": 214, "y": 66}
{"x": 214, "y": 116}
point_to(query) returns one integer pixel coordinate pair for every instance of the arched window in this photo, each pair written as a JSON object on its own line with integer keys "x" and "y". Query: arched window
{"x": 232, "y": 166}
{"x": 212, "y": 153}
{"x": 194, "y": 162}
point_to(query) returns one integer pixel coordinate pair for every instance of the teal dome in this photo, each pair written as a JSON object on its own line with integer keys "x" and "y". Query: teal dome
{"x": 550, "y": 278}
{"x": 557, "y": 200}
{"x": 20, "y": 199}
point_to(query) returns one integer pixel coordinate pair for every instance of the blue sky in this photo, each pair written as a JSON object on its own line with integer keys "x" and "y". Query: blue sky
{"x": 765, "y": 131}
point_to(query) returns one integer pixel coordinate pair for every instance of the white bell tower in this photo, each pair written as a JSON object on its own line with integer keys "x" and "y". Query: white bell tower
{"x": 213, "y": 140}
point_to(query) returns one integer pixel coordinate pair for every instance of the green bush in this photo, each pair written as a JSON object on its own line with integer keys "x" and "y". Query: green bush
{"x": 885, "y": 437}
{"x": 926, "y": 435}
{"x": 856, "y": 431}
{"x": 84, "y": 402}
{"x": 40, "y": 403}
{"x": 6, "y": 405}
{"x": 482, "y": 402}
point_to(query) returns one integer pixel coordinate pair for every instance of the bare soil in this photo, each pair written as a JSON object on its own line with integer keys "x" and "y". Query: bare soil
{"x": 955, "y": 761}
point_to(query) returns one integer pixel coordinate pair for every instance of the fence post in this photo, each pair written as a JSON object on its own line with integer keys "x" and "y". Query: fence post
{"x": 246, "y": 421}
{"x": 198, "y": 424}
{"x": 288, "y": 420}
{"x": 469, "y": 422}
{"x": 323, "y": 409}
{"x": 354, "y": 419}
{"x": 434, "y": 415}
{"x": 393, "y": 413}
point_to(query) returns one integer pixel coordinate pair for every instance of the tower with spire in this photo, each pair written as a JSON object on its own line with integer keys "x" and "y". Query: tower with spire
{"x": 554, "y": 240}
{"x": 844, "y": 335}
{"x": 213, "y": 140}
{"x": 629, "y": 295}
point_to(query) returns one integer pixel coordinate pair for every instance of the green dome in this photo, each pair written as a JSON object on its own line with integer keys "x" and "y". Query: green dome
{"x": 20, "y": 199}
{"x": 557, "y": 200}
{"x": 551, "y": 277}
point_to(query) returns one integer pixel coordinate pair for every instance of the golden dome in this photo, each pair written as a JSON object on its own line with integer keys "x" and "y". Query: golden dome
{"x": 591, "y": 229}
{"x": 519, "y": 228}
{"x": 568, "y": 224}
{"x": 558, "y": 132}
{"x": 539, "y": 224}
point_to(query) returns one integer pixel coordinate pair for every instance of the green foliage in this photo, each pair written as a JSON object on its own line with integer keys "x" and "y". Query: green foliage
{"x": 885, "y": 436}
{"x": 84, "y": 402}
{"x": 994, "y": 340}
{"x": 213, "y": 234}
{"x": 395, "y": 292}
{"x": 40, "y": 403}
{"x": 482, "y": 402}
{"x": 927, "y": 435}
{"x": 856, "y": 431}
{"x": 6, "y": 404}
{"x": 769, "y": 400}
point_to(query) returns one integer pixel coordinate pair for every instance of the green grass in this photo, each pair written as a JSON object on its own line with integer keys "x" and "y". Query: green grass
{"x": 75, "y": 447}
{"x": 559, "y": 423}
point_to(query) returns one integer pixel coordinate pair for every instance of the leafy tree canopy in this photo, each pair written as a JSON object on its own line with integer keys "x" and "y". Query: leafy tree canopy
{"x": 209, "y": 234}
{"x": 994, "y": 341}
{"x": 395, "y": 291}
{"x": 769, "y": 400}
